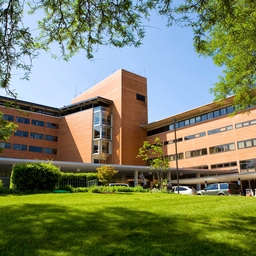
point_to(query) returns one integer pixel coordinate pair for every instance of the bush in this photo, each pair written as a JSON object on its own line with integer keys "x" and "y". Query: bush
{"x": 36, "y": 177}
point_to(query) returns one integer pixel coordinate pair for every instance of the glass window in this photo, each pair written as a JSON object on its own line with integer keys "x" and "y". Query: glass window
{"x": 254, "y": 142}
{"x": 140, "y": 97}
{"x": 22, "y": 120}
{"x": 36, "y": 136}
{"x": 96, "y": 132}
{"x": 245, "y": 123}
{"x": 52, "y": 125}
{"x": 210, "y": 115}
{"x": 8, "y": 118}
{"x": 253, "y": 122}
{"x": 37, "y": 122}
{"x": 204, "y": 117}
{"x": 180, "y": 124}
{"x": 240, "y": 144}
{"x": 35, "y": 149}
{"x": 5, "y": 145}
{"x": 230, "y": 109}
{"x": 96, "y": 118}
{"x": 186, "y": 122}
{"x": 19, "y": 147}
{"x": 192, "y": 120}
{"x": 248, "y": 143}
{"x": 230, "y": 127}
{"x": 50, "y": 151}
{"x": 51, "y": 138}
{"x": 239, "y": 126}
{"x": 198, "y": 119}
{"x": 216, "y": 113}
{"x": 223, "y": 111}
{"x": 21, "y": 133}
{"x": 232, "y": 146}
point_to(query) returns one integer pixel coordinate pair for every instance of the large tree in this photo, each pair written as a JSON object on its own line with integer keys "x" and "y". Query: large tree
{"x": 223, "y": 29}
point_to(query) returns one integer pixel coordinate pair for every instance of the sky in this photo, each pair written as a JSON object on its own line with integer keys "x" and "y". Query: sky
{"x": 177, "y": 78}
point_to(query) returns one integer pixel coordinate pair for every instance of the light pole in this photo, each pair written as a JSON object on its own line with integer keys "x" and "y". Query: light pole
{"x": 176, "y": 155}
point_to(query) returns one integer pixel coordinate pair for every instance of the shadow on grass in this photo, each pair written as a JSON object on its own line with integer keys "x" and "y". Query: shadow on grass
{"x": 49, "y": 229}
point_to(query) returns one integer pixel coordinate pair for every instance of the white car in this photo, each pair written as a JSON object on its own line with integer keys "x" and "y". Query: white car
{"x": 184, "y": 190}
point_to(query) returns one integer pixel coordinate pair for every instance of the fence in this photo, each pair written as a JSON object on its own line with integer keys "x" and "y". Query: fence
{"x": 78, "y": 182}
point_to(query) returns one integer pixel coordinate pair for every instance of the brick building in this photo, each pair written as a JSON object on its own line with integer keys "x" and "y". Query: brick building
{"x": 108, "y": 123}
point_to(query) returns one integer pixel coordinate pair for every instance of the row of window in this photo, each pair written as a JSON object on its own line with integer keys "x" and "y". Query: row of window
{"x": 21, "y": 147}
{"x": 211, "y": 132}
{"x": 201, "y": 118}
{"x": 214, "y": 150}
{"x": 34, "y": 135}
{"x": 35, "y": 122}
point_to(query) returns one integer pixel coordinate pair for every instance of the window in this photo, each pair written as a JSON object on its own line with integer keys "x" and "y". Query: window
{"x": 36, "y": 136}
{"x": 8, "y": 118}
{"x": 140, "y": 97}
{"x": 21, "y": 133}
{"x": 172, "y": 141}
{"x": 51, "y": 125}
{"x": 195, "y": 153}
{"x": 5, "y": 145}
{"x": 51, "y": 138}
{"x": 222, "y": 148}
{"x": 244, "y": 124}
{"x": 37, "y": 122}
{"x": 22, "y": 120}
{"x": 223, "y": 165}
{"x": 35, "y": 149}
{"x": 222, "y": 129}
{"x": 246, "y": 143}
{"x": 194, "y": 136}
{"x": 50, "y": 151}
{"x": 173, "y": 157}
{"x": 19, "y": 147}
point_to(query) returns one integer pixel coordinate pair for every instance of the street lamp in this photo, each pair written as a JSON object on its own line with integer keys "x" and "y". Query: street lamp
{"x": 176, "y": 155}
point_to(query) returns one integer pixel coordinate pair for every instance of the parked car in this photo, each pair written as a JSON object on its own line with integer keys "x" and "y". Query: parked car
{"x": 220, "y": 189}
{"x": 184, "y": 190}
{"x": 119, "y": 184}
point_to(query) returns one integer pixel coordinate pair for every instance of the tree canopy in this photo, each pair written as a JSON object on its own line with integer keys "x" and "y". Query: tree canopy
{"x": 225, "y": 30}
{"x": 154, "y": 155}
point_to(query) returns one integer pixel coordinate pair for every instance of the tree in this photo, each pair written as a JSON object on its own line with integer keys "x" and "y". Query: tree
{"x": 226, "y": 31}
{"x": 106, "y": 174}
{"x": 223, "y": 30}
{"x": 6, "y": 129}
{"x": 153, "y": 153}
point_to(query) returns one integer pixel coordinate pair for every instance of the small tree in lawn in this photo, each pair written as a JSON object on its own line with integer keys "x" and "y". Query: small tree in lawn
{"x": 106, "y": 174}
{"x": 153, "y": 153}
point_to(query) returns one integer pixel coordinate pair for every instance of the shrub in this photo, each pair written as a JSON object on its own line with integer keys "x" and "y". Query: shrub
{"x": 35, "y": 177}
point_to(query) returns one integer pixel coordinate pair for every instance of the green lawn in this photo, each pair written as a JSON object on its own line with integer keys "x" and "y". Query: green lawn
{"x": 127, "y": 224}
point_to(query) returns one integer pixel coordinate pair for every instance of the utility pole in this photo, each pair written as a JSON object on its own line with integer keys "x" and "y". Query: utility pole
{"x": 176, "y": 155}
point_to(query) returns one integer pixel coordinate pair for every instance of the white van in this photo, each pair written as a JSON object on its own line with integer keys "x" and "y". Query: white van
{"x": 119, "y": 184}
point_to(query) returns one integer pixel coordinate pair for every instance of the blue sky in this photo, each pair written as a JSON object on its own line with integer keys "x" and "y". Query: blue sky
{"x": 178, "y": 79}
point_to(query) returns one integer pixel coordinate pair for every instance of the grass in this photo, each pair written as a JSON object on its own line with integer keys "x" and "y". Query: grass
{"x": 127, "y": 224}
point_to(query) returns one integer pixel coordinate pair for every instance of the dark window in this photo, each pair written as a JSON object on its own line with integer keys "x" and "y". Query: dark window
{"x": 140, "y": 97}
{"x": 37, "y": 122}
{"x": 35, "y": 149}
{"x": 22, "y": 120}
{"x": 52, "y": 125}
{"x": 21, "y": 133}
{"x": 19, "y": 147}
{"x": 50, "y": 151}
{"x": 34, "y": 135}
{"x": 8, "y": 118}
{"x": 5, "y": 145}
{"x": 51, "y": 137}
